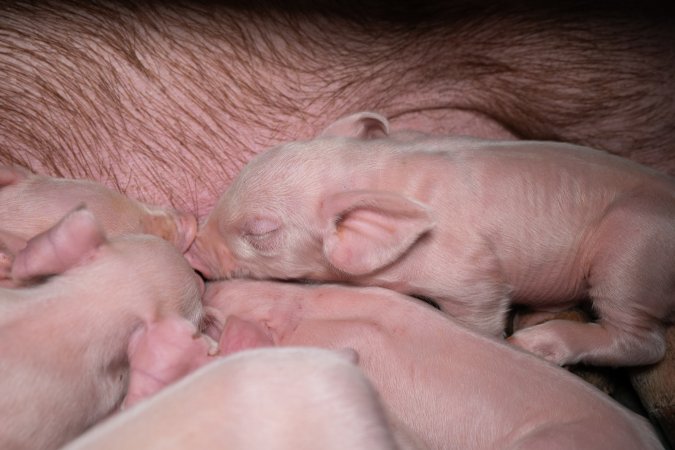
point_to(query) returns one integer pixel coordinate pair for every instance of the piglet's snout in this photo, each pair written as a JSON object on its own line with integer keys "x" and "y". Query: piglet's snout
{"x": 213, "y": 259}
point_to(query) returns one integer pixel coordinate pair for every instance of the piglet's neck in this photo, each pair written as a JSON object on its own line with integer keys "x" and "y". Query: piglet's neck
{"x": 415, "y": 175}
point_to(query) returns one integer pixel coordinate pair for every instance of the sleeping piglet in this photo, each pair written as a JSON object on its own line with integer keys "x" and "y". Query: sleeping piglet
{"x": 442, "y": 385}
{"x": 31, "y": 203}
{"x": 473, "y": 224}
{"x": 271, "y": 398}
{"x": 64, "y": 341}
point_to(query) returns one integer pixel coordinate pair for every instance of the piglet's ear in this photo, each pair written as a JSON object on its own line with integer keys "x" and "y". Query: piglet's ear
{"x": 70, "y": 242}
{"x": 10, "y": 175}
{"x": 362, "y": 125}
{"x": 367, "y": 230}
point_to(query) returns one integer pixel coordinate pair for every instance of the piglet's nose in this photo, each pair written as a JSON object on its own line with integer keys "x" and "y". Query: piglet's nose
{"x": 212, "y": 258}
{"x": 194, "y": 257}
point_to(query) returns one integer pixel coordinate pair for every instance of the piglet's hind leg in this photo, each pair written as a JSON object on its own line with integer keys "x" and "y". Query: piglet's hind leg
{"x": 566, "y": 342}
{"x": 632, "y": 281}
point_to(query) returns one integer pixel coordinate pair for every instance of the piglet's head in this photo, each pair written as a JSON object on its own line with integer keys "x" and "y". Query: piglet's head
{"x": 304, "y": 210}
{"x": 262, "y": 232}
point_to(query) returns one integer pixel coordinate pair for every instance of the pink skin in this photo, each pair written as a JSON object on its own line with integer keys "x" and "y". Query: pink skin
{"x": 292, "y": 398}
{"x": 32, "y": 203}
{"x": 162, "y": 353}
{"x": 439, "y": 382}
{"x": 10, "y": 245}
{"x": 476, "y": 225}
{"x": 63, "y": 341}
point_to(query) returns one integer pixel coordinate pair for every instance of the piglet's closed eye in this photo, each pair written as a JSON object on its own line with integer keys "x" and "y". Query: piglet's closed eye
{"x": 260, "y": 232}
{"x": 260, "y": 226}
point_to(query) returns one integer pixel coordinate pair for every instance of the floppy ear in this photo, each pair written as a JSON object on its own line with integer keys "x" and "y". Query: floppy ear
{"x": 367, "y": 230}
{"x": 10, "y": 175}
{"x": 65, "y": 245}
{"x": 362, "y": 125}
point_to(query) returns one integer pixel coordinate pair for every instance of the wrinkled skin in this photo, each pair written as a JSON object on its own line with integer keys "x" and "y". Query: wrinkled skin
{"x": 308, "y": 398}
{"x": 63, "y": 340}
{"x": 439, "y": 382}
{"x": 166, "y": 101}
{"x": 473, "y": 224}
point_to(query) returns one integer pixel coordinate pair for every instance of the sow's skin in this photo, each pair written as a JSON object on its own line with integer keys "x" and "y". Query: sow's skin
{"x": 442, "y": 385}
{"x": 64, "y": 341}
{"x": 31, "y": 203}
{"x": 473, "y": 224}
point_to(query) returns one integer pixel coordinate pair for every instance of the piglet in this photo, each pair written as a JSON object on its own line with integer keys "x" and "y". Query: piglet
{"x": 475, "y": 225}
{"x": 442, "y": 385}
{"x": 284, "y": 398}
{"x": 64, "y": 340}
{"x": 31, "y": 203}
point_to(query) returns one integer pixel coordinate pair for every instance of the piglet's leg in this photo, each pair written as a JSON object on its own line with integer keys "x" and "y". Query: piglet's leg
{"x": 161, "y": 353}
{"x": 565, "y": 342}
{"x": 632, "y": 287}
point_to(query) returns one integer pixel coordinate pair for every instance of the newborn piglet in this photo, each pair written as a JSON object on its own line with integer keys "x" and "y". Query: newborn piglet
{"x": 275, "y": 398}
{"x": 64, "y": 341}
{"x": 474, "y": 224}
{"x": 439, "y": 382}
{"x": 442, "y": 385}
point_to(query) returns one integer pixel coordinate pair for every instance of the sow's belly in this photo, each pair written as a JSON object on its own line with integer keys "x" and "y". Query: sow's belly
{"x": 167, "y": 105}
